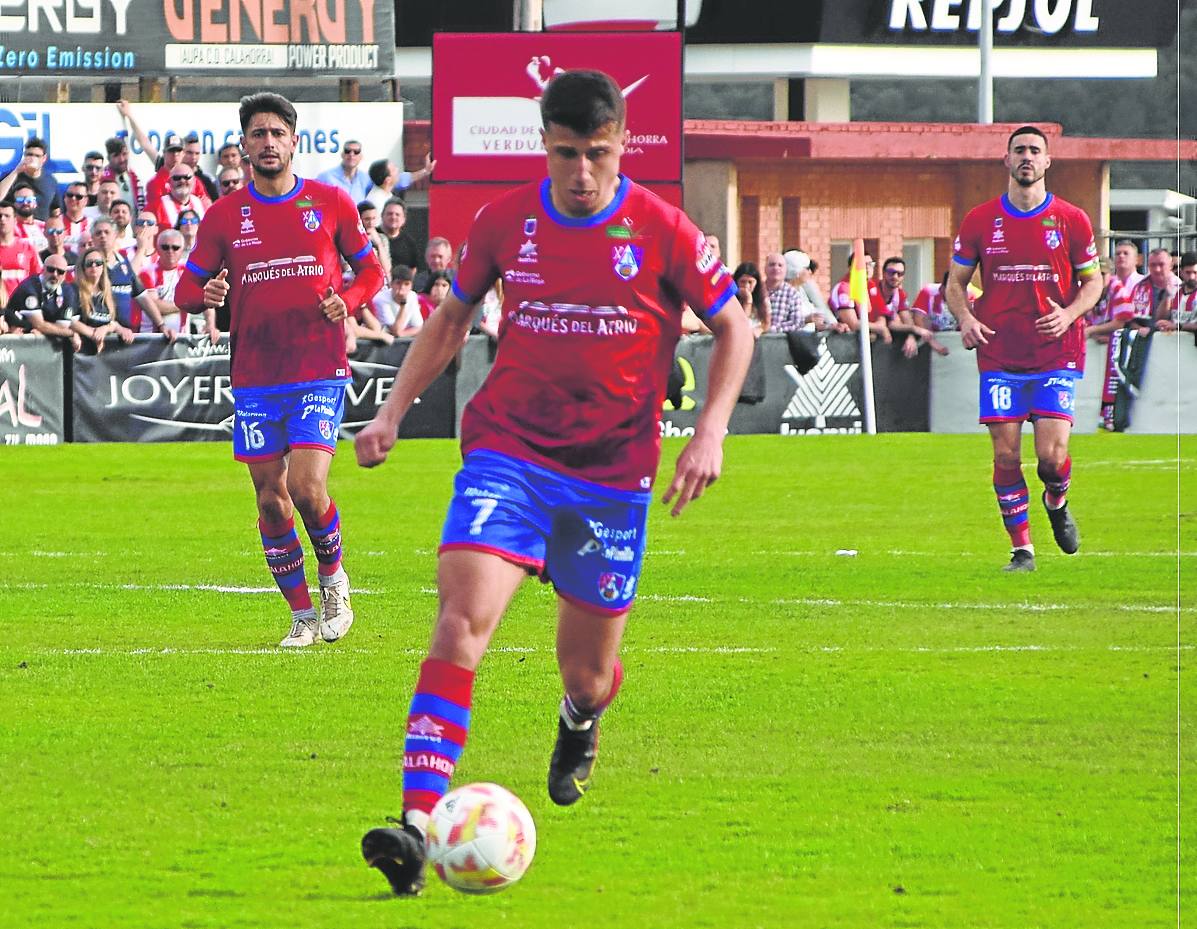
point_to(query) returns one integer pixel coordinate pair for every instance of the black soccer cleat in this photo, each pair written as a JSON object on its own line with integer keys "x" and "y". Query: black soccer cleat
{"x": 399, "y": 854}
{"x": 572, "y": 762}
{"x": 1020, "y": 560}
{"x": 1063, "y": 528}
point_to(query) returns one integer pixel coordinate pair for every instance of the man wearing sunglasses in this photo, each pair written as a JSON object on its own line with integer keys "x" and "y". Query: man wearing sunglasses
{"x": 76, "y": 223}
{"x": 162, "y": 275}
{"x": 56, "y": 236}
{"x": 348, "y": 174}
{"x": 32, "y": 172}
{"x": 205, "y": 187}
{"x": 230, "y": 179}
{"x": 93, "y": 169}
{"x": 45, "y": 303}
{"x": 182, "y": 197}
{"x": 25, "y": 200}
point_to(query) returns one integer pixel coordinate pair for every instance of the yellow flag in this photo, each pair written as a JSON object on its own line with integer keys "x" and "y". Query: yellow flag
{"x": 858, "y": 278}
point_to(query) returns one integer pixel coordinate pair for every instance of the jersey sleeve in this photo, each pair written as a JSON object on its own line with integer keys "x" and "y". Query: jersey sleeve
{"x": 207, "y": 257}
{"x": 351, "y": 234}
{"x": 922, "y": 302}
{"x": 696, "y": 272}
{"x": 1082, "y": 249}
{"x": 479, "y": 265}
{"x": 966, "y": 250}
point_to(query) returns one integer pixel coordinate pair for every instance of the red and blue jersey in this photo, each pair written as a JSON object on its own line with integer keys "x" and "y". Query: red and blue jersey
{"x": 1027, "y": 258}
{"x": 592, "y": 311}
{"x": 282, "y": 255}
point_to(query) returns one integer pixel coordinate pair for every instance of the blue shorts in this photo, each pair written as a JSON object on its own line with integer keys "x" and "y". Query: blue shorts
{"x": 1009, "y": 397}
{"x": 586, "y": 539}
{"x": 270, "y": 421}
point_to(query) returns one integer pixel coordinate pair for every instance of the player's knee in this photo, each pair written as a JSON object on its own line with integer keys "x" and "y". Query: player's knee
{"x": 1007, "y": 459}
{"x": 461, "y": 636}
{"x": 273, "y": 508}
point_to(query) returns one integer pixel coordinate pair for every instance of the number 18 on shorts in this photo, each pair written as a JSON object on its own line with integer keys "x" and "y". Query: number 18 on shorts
{"x": 1009, "y": 397}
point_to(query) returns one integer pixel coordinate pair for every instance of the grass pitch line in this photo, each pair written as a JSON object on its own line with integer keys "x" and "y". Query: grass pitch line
{"x": 912, "y": 605}
{"x": 413, "y": 652}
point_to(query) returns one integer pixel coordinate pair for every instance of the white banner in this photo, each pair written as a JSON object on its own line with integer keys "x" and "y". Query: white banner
{"x": 70, "y": 130}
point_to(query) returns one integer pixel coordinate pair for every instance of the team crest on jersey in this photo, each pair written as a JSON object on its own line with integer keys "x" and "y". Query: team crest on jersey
{"x": 626, "y": 261}
{"x": 530, "y": 226}
{"x": 1052, "y": 238}
{"x": 311, "y": 219}
{"x": 610, "y": 585}
{"x": 326, "y": 428}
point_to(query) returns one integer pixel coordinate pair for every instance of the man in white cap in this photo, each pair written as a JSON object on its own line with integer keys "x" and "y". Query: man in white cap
{"x": 798, "y": 275}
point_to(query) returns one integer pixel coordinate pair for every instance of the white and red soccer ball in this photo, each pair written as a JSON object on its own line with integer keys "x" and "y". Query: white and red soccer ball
{"x": 481, "y": 838}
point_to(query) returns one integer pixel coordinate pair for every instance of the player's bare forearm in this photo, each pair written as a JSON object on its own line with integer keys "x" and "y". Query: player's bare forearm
{"x": 1087, "y": 296}
{"x": 433, "y": 348}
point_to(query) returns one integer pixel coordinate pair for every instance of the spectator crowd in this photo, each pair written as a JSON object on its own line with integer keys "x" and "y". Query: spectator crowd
{"x": 99, "y": 257}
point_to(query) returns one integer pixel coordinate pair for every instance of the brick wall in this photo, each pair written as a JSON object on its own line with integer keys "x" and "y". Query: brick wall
{"x": 809, "y": 204}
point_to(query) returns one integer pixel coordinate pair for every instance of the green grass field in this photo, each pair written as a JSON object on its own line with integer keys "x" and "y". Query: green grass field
{"x": 906, "y": 737}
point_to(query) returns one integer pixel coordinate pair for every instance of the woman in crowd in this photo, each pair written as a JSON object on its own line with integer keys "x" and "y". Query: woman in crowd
{"x": 437, "y": 289}
{"x": 97, "y": 308}
{"x": 188, "y": 224}
{"x": 754, "y": 299}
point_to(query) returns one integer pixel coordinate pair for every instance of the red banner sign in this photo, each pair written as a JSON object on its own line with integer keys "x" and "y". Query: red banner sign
{"x": 486, "y": 100}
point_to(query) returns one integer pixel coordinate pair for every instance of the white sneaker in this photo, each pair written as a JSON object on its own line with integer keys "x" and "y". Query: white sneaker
{"x": 303, "y": 631}
{"x": 336, "y": 613}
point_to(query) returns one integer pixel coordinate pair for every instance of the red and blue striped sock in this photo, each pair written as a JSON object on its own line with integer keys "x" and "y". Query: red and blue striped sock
{"x": 284, "y": 557}
{"x": 326, "y": 541}
{"x": 1056, "y": 483}
{"x": 437, "y": 725}
{"x": 1013, "y": 501}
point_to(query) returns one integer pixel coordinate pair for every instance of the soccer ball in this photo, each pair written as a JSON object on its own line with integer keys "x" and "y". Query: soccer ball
{"x": 481, "y": 838}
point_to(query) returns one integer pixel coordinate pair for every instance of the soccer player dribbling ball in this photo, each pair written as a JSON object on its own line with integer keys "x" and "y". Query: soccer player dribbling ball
{"x": 1040, "y": 275}
{"x": 561, "y": 443}
{"x": 276, "y": 246}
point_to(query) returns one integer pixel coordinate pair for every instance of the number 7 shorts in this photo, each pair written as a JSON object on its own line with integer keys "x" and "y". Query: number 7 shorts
{"x": 1007, "y": 397}
{"x": 270, "y": 421}
{"x": 586, "y": 539}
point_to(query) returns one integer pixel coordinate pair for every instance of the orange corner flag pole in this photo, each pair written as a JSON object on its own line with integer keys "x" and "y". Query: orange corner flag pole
{"x": 858, "y": 291}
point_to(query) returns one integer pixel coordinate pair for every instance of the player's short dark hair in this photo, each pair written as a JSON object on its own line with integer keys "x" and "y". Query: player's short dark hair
{"x": 583, "y": 102}
{"x": 265, "y": 102}
{"x": 894, "y": 260}
{"x": 403, "y": 273}
{"x": 35, "y": 142}
{"x": 1026, "y": 130}
{"x": 378, "y": 171}
{"x": 365, "y": 205}
{"x": 1188, "y": 258}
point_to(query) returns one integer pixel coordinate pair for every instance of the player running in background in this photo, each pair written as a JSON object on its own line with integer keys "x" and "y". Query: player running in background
{"x": 1040, "y": 275}
{"x": 276, "y": 246}
{"x": 561, "y": 443}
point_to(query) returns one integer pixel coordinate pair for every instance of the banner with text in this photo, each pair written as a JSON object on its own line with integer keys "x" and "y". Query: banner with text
{"x": 157, "y": 392}
{"x": 31, "y": 391}
{"x": 159, "y": 38}
{"x": 486, "y": 100}
{"x": 70, "y": 130}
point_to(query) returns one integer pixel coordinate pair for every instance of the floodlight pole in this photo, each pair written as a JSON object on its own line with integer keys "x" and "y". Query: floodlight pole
{"x": 985, "y": 80}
